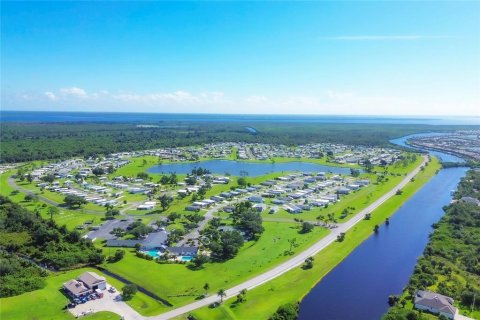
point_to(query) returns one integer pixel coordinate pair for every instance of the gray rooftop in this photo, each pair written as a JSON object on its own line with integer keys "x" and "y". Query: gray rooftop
{"x": 435, "y": 301}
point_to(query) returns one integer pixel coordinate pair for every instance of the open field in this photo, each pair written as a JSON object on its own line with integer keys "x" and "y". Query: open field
{"x": 292, "y": 286}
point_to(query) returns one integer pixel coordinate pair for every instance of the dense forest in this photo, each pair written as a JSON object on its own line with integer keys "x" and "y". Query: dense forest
{"x": 19, "y": 275}
{"x": 450, "y": 264}
{"x": 41, "y": 241}
{"x": 38, "y": 141}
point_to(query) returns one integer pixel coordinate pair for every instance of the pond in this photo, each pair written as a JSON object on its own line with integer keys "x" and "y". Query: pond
{"x": 252, "y": 169}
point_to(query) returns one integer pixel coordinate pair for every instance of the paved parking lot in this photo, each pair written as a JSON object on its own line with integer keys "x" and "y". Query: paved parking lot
{"x": 110, "y": 302}
{"x": 106, "y": 228}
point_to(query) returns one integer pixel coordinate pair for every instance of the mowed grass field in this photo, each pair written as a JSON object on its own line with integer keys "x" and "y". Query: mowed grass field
{"x": 48, "y": 303}
{"x": 70, "y": 218}
{"x": 180, "y": 285}
{"x": 292, "y": 286}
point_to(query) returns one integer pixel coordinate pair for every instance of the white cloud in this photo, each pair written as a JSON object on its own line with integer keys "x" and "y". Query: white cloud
{"x": 384, "y": 38}
{"x": 332, "y": 102}
{"x": 50, "y": 95}
{"x": 74, "y": 91}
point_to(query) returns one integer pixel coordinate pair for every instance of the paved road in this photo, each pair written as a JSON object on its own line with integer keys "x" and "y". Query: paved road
{"x": 295, "y": 261}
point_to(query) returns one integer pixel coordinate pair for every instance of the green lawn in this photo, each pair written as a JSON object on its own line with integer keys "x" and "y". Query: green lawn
{"x": 48, "y": 303}
{"x": 292, "y": 286}
{"x": 170, "y": 281}
{"x": 70, "y": 218}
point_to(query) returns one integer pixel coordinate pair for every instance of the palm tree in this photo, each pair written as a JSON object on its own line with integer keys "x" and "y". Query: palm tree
{"x": 222, "y": 294}
{"x": 206, "y": 286}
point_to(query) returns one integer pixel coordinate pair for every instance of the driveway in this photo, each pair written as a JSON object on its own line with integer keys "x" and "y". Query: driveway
{"x": 110, "y": 302}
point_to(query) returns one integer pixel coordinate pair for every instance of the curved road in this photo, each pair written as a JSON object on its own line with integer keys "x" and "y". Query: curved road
{"x": 130, "y": 314}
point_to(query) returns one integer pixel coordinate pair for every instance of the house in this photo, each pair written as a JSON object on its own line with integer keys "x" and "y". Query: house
{"x": 259, "y": 207}
{"x": 435, "y": 303}
{"x": 291, "y": 208}
{"x": 255, "y": 199}
{"x": 470, "y": 200}
{"x": 75, "y": 289}
{"x": 93, "y": 281}
{"x": 343, "y": 191}
{"x": 183, "y": 251}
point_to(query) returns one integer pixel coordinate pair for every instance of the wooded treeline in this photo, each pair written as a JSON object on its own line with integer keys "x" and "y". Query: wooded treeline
{"x": 39, "y": 141}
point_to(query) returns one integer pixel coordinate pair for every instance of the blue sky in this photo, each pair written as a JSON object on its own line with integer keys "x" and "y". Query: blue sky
{"x": 389, "y": 58}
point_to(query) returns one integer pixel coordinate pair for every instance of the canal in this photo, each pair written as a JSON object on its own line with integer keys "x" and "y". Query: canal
{"x": 358, "y": 288}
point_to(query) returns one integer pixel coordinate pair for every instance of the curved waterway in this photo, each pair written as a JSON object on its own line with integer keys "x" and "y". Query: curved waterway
{"x": 358, "y": 288}
{"x": 251, "y": 169}
{"x": 444, "y": 157}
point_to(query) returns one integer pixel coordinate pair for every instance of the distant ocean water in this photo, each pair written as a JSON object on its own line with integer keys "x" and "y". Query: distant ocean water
{"x": 48, "y": 116}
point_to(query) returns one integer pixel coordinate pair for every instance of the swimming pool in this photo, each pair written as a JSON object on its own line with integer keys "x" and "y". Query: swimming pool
{"x": 152, "y": 253}
{"x": 187, "y": 258}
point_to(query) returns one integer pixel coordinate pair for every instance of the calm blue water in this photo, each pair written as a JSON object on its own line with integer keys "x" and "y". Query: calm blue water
{"x": 358, "y": 288}
{"x": 251, "y": 169}
{"x": 44, "y": 116}
{"x": 444, "y": 157}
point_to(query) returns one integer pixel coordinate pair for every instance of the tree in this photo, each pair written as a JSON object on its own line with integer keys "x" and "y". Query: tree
{"x": 53, "y": 211}
{"x": 341, "y": 237}
{"x": 48, "y": 178}
{"x": 227, "y": 246}
{"x": 173, "y": 216}
{"x": 74, "y": 201}
{"x": 119, "y": 254}
{"x": 198, "y": 261}
{"x": 375, "y": 228}
{"x": 98, "y": 171}
{"x": 242, "y": 296}
{"x": 354, "y": 172}
{"x": 222, "y": 294}
{"x": 30, "y": 197}
{"x": 165, "y": 201}
{"x": 143, "y": 175}
{"x": 293, "y": 244}
{"x": 308, "y": 263}
{"x": 206, "y": 287}
{"x": 128, "y": 291}
{"x": 287, "y": 311}
{"x": 251, "y": 222}
{"x": 118, "y": 232}
{"x": 368, "y": 166}
{"x": 306, "y": 227}
{"x": 242, "y": 181}
{"x": 164, "y": 180}
{"x": 172, "y": 179}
